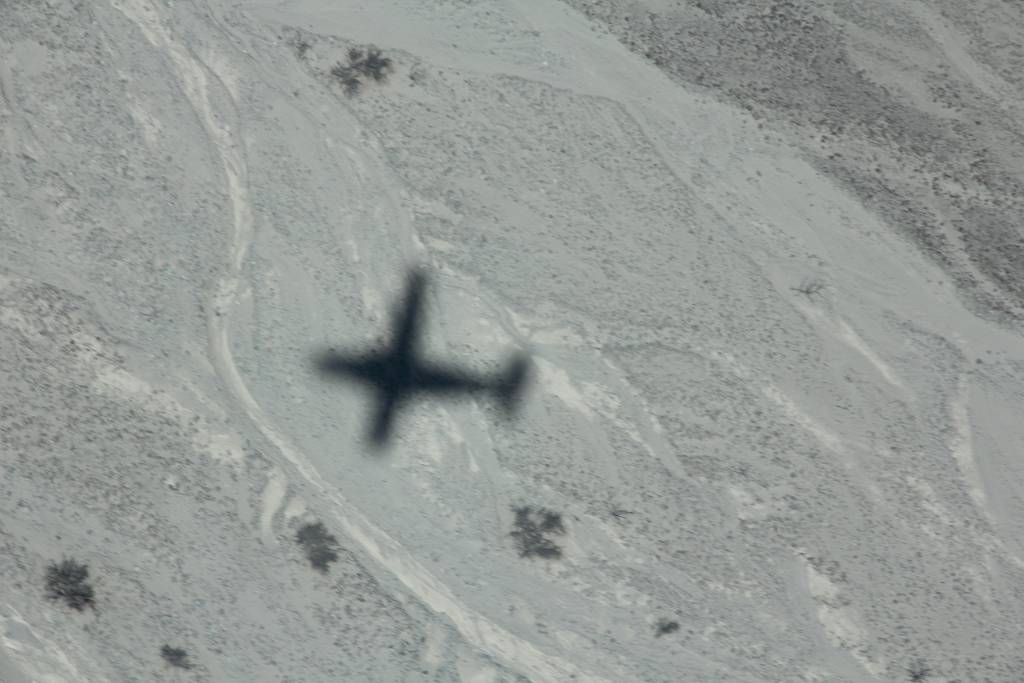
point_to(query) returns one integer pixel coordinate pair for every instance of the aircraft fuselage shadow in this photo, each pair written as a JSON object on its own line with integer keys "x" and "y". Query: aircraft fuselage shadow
{"x": 397, "y": 374}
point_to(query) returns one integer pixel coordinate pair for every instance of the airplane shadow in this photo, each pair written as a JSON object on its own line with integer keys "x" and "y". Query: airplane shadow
{"x": 397, "y": 374}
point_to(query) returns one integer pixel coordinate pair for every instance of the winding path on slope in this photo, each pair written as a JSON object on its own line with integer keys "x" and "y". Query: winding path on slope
{"x": 194, "y": 78}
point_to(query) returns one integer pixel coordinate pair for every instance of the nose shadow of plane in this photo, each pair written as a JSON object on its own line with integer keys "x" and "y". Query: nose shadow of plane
{"x": 396, "y": 373}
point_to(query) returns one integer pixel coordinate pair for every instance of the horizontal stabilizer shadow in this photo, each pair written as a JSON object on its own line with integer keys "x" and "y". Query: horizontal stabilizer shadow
{"x": 397, "y": 373}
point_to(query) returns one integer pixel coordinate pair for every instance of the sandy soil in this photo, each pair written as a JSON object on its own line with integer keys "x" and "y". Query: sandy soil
{"x": 767, "y": 258}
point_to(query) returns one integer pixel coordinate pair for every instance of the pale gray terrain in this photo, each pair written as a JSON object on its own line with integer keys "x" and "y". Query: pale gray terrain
{"x": 767, "y": 258}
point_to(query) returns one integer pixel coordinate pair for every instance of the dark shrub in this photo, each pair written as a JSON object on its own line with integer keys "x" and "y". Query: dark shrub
{"x": 362, "y": 64}
{"x": 373, "y": 64}
{"x": 320, "y": 546}
{"x": 666, "y": 626}
{"x": 348, "y": 77}
{"x": 67, "y": 581}
{"x": 175, "y": 656}
{"x": 532, "y": 530}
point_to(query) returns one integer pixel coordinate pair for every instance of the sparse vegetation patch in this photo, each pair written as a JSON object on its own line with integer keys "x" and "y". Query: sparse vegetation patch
{"x": 533, "y": 528}
{"x": 918, "y": 671}
{"x": 175, "y": 656}
{"x": 810, "y": 286}
{"x": 362, "y": 64}
{"x": 298, "y": 40}
{"x": 320, "y": 546}
{"x": 68, "y": 581}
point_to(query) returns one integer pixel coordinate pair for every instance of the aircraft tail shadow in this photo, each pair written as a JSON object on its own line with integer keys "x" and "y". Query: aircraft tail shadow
{"x": 508, "y": 388}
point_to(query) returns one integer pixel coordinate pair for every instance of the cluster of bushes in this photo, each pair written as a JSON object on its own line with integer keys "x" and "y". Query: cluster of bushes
{"x": 533, "y": 528}
{"x": 68, "y": 581}
{"x": 362, "y": 65}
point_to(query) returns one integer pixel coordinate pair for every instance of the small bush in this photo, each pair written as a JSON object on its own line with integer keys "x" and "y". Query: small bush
{"x": 67, "y": 581}
{"x": 918, "y": 671}
{"x": 532, "y": 530}
{"x": 175, "y": 656}
{"x": 320, "y": 546}
{"x": 348, "y": 77}
{"x": 666, "y": 626}
{"x": 370, "y": 63}
{"x": 362, "y": 64}
{"x": 810, "y": 286}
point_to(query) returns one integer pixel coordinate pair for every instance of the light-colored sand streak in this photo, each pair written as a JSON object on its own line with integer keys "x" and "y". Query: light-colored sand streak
{"x": 514, "y": 651}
